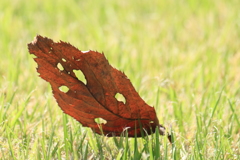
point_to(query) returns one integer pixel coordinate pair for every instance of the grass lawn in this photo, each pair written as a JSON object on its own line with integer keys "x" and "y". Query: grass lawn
{"x": 183, "y": 58}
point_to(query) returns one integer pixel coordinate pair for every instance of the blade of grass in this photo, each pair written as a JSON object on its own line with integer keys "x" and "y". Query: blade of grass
{"x": 126, "y": 148}
{"x": 233, "y": 111}
{"x": 157, "y": 145}
{"x": 65, "y": 131}
{"x": 136, "y": 154}
{"x": 214, "y": 109}
{"x": 119, "y": 155}
{"x": 85, "y": 155}
{"x": 50, "y": 143}
{"x": 43, "y": 140}
{"x": 55, "y": 149}
{"x": 11, "y": 150}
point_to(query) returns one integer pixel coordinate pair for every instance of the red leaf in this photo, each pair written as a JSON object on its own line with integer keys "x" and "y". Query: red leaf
{"x": 96, "y": 99}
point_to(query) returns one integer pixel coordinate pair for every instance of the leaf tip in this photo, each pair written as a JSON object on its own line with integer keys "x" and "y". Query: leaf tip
{"x": 34, "y": 42}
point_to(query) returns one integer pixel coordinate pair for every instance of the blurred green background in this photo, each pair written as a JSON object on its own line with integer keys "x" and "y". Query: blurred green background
{"x": 182, "y": 57}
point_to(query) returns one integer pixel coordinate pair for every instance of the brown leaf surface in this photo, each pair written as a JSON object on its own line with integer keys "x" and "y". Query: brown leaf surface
{"x": 96, "y": 99}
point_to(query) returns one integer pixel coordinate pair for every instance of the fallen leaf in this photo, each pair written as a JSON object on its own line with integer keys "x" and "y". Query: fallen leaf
{"x": 58, "y": 63}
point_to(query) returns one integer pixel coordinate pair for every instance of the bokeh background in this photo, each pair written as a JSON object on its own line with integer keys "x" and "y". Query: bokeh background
{"x": 183, "y": 57}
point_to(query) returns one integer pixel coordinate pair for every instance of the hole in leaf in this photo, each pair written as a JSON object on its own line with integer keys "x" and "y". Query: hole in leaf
{"x": 100, "y": 121}
{"x": 60, "y": 67}
{"x": 80, "y": 76}
{"x": 120, "y": 98}
{"x": 85, "y": 51}
{"x": 33, "y": 55}
{"x": 64, "y": 60}
{"x": 64, "y": 89}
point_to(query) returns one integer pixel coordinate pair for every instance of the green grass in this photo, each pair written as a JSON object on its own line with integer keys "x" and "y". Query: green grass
{"x": 183, "y": 57}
